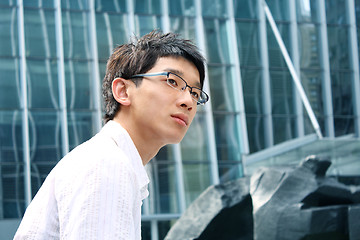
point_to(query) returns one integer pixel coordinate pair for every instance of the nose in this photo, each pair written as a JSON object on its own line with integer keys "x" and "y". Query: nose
{"x": 185, "y": 100}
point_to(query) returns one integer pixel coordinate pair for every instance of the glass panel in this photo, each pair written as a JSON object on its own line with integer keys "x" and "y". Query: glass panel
{"x": 342, "y": 94}
{"x": 338, "y": 47}
{"x": 43, "y": 91}
{"x": 335, "y": 11}
{"x": 226, "y": 135}
{"x": 182, "y": 7}
{"x": 145, "y": 230}
{"x": 229, "y": 172}
{"x": 248, "y": 44}
{"x": 196, "y": 180}
{"x": 163, "y": 228}
{"x": 252, "y": 90}
{"x": 12, "y": 203}
{"x": 214, "y": 8}
{"x": 111, "y": 30}
{"x": 146, "y": 24}
{"x": 308, "y": 46}
{"x": 74, "y": 5}
{"x": 276, "y": 58}
{"x": 283, "y": 128}
{"x": 9, "y": 84}
{"x": 221, "y": 91}
{"x": 357, "y": 12}
{"x": 255, "y": 128}
{"x": 312, "y": 84}
{"x": 216, "y": 41}
{"x": 45, "y": 145}
{"x": 279, "y": 9}
{"x": 163, "y": 195}
{"x": 40, "y": 40}
{"x": 111, "y": 6}
{"x": 343, "y": 126}
{"x": 307, "y": 11}
{"x": 194, "y": 145}
{"x": 147, "y": 6}
{"x": 81, "y": 127}
{"x": 245, "y": 9}
{"x": 8, "y": 32}
{"x": 75, "y": 35}
{"x": 38, "y": 3}
{"x": 184, "y": 26}
{"x": 282, "y": 92}
{"x": 78, "y": 85}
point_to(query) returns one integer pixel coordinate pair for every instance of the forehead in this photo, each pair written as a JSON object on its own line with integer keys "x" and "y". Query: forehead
{"x": 180, "y": 66}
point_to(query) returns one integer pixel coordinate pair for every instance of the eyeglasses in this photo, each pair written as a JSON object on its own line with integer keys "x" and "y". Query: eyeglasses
{"x": 178, "y": 83}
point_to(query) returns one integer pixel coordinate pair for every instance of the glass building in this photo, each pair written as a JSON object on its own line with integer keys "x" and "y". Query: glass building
{"x": 52, "y": 59}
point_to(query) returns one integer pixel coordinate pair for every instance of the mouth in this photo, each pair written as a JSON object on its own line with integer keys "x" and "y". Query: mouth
{"x": 181, "y": 119}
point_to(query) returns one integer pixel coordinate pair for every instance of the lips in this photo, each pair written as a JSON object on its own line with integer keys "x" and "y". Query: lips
{"x": 181, "y": 118}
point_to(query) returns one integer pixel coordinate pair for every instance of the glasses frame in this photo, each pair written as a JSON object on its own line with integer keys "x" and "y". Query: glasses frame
{"x": 198, "y": 102}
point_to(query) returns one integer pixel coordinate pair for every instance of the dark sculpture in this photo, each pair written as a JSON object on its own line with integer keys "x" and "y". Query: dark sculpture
{"x": 277, "y": 204}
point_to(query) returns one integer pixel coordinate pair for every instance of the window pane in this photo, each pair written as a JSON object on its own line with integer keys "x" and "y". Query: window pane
{"x": 11, "y": 165}
{"x": 147, "y": 6}
{"x": 111, "y": 31}
{"x": 276, "y": 58}
{"x": 283, "y": 128}
{"x": 74, "y": 5}
{"x": 342, "y": 94}
{"x": 221, "y": 91}
{"x": 226, "y": 134}
{"x": 245, "y": 9}
{"x": 184, "y": 26}
{"x": 307, "y": 11}
{"x": 214, "y": 8}
{"x": 194, "y": 145}
{"x": 75, "y": 35}
{"x": 38, "y": 4}
{"x": 216, "y": 41}
{"x": 43, "y": 91}
{"x": 111, "y": 6}
{"x": 81, "y": 127}
{"x": 78, "y": 85}
{"x": 279, "y": 9}
{"x": 335, "y": 11}
{"x": 146, "y": 24}
{"x": 255, "y": 128}
{"x": 309, "y": 46}
{"x": 338, "y": 47}
{"x": 248, "y": 44}
{"x": 282, "y": 92}
{"x": 40, "y": 33}
{"x": 182, "y": 7}
{"x": 8, "y": 32}
{"x": 229, "y": 172}
{"x": 252, "y": 90}
{"x": 9, "y": 84}
{"x": 163, "y": 196}
{"x": 312, "y": 83}
{"x": 196, "y": 180}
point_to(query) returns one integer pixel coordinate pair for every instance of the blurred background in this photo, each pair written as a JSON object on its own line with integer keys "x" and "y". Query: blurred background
{"x": 52, "y": 60}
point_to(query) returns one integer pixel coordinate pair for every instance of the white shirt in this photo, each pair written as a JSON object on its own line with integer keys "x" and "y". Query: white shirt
{"x": 94, "y": 192}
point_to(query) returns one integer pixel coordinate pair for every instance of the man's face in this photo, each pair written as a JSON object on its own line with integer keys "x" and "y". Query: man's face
{"x": 160, "y": 112}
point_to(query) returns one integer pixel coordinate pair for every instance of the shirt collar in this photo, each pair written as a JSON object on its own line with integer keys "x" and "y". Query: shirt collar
{"x": 124, "y": 141}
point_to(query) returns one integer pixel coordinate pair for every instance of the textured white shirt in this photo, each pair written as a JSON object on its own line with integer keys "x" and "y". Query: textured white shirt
{"x": 94, "y": 192}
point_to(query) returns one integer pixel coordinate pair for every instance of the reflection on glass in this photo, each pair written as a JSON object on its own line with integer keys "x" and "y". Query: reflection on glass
{"x": 40, "y": 37}
{"x": 216, "y": 35}
{"x": 9, "y": 32}
{"x": 9, "y": 84}
{"x": 147, "y": 7}
{"x": 214, "y": 8}
{"x": 80, "y": 127}
{"x": 282, "y": 92}
{"x": 184, "y": 26}
{"x": 338, "y": 41}
{"x": 196, "y": 180}
{"x": 283, "y": 128}
{"x": 163, "y": 197}
{"x": 246, "y": 9}
{"x": 182, "y": 7}
{"x": 229, "y": 172}
{"x": 146, "y": 24}
{"x": 247, "y": 37}
{"x": 194, "y": 145}
{"x": 118, "y": 6}
{"x": 222, "y": 89}
{"x": 43, "y": 91}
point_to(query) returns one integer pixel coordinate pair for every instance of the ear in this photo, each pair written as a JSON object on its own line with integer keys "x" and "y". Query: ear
{"x": 120, "y": 91}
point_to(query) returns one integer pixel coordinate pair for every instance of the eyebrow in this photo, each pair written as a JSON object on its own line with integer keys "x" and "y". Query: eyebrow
{"x": 180, "y": 73}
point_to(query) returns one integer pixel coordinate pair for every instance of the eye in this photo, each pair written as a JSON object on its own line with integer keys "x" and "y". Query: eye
{"x": 195, "y": 95}
{"x": 172, "y": 82}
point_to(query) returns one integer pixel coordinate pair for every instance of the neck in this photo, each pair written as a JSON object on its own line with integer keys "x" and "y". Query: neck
{"x": 145, "y": 145}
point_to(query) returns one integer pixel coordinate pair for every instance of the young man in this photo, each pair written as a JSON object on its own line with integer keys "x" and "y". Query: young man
{"x": 151, "y": 91}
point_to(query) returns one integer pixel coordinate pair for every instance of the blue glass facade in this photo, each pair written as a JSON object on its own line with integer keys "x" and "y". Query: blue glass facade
{"x": 53, "y": 56}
